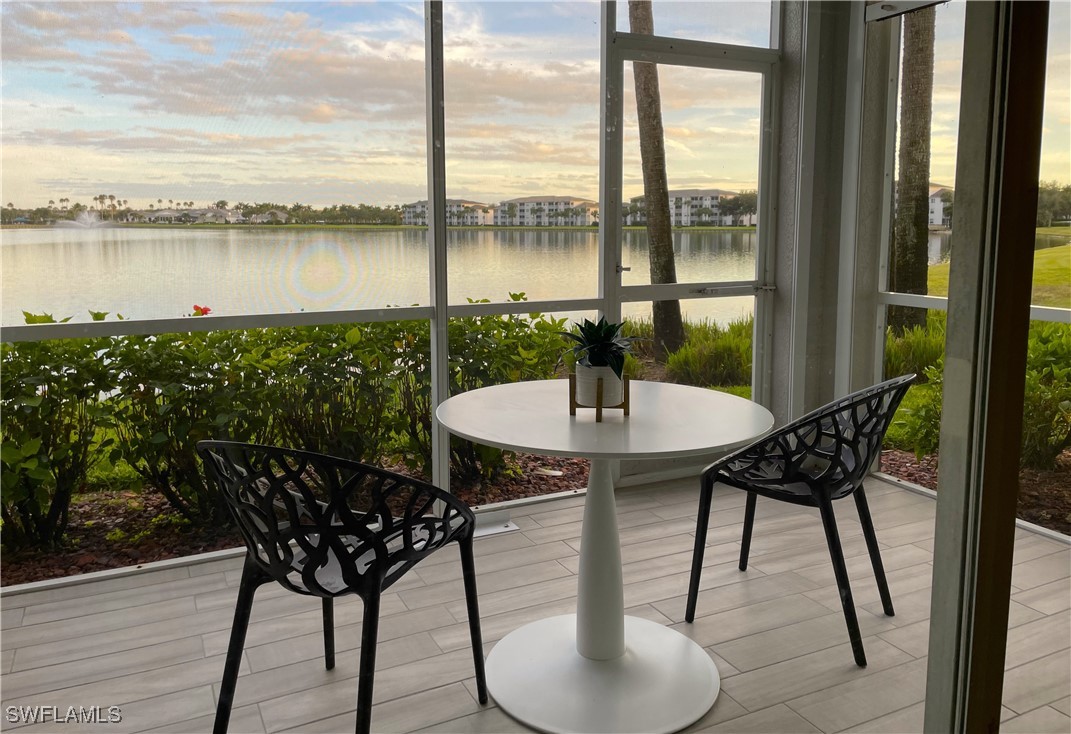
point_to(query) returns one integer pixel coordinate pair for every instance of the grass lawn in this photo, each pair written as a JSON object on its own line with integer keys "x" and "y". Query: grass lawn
{"x": 1052, "y": 277}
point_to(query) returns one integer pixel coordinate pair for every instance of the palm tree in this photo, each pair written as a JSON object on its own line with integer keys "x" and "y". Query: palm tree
{"x": 908, "y": 266}
{"x": 667, "y": 320}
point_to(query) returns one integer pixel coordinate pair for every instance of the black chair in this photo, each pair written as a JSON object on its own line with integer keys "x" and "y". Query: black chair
{"x": 324, "y": 526}
{"x": 812, "y": 461}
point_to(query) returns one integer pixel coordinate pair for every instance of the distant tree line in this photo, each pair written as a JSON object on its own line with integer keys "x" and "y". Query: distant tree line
{"x": 1054, "y": 203}
{"x": 109, "y": 207}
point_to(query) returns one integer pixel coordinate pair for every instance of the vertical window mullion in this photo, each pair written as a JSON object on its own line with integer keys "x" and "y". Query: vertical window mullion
{"x": 440, "y": 321}
{"x": 611, "y": 134}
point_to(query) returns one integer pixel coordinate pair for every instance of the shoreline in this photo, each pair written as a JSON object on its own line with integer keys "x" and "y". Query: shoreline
{"x": 377, "y": 227}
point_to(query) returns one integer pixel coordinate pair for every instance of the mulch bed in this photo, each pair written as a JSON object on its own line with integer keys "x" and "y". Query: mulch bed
{"x": 1044, "y": 499}
{"x": 125, "y": 514}
{"x": 1044, "y": 496}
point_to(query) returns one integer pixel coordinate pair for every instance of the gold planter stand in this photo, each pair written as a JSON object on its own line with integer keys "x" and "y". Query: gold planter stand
{"x": 573, "y": 404}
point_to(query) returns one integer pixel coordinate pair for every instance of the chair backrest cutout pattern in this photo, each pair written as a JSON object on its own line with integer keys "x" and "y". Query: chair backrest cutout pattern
{"x": 325, "y": 526}
{"x": 830, "y": 448}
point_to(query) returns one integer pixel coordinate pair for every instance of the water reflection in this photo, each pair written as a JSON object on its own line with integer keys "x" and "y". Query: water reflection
{"x": 160, "y": 273}
{"x": 939, "y": 245}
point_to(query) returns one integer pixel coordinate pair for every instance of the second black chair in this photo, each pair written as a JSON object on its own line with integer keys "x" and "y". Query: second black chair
{"x": 324, "y": 526}
{"x": 814, "y": 460}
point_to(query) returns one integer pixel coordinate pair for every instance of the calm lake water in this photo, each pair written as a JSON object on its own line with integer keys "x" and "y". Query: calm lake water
{"x": 161, "y": 273}
{"x": 145, "y": 273}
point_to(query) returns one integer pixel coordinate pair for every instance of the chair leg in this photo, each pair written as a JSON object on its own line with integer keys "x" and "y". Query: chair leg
{"x": 749, "y": 523}
{"x": 472, "y": 603}
{"x": 875, "y": 553}
{"x": 367, "y": 672}
{"x": 252, "y": 578}
{"x": 840, "y": 570}
{"x": 706, "y": 493}
{"x": 329, "y": 632}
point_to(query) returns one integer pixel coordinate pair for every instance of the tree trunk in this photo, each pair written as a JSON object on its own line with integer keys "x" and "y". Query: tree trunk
{"x": 909, "y": 266}
{"x": 668, "y": 324}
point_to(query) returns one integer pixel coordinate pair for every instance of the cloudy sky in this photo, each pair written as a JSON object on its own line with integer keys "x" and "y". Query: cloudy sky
{"x": 323, "y": 103}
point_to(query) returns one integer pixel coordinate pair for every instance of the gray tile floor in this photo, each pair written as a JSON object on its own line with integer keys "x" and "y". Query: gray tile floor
{"x": 153, "y": 644}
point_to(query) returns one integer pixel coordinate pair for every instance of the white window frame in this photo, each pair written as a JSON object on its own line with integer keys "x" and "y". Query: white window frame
{"x": 616, "y": 49}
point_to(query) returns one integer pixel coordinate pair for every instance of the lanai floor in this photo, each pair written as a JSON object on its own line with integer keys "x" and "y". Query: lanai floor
{"x": 153, "y": 643}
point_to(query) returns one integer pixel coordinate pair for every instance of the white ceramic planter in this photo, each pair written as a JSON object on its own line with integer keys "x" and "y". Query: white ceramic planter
{"x": 613, "y": 391}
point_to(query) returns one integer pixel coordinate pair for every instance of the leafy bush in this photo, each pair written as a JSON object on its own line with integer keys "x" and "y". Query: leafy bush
{"x": 916, "y": 348}
{"x": 54, "y": 399}
{"x": 713, "y": 356}
{"x": 177, "y": 389}
{"x": 1046, "y": 405}
{"x": 484, "y": 350}
{"x": 330, "y": 388}
{"x": 917, "y": 424}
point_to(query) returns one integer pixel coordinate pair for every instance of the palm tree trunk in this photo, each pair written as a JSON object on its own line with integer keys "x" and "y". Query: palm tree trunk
{"x": 668, "y": 324}
{"x": 909, "y": 266}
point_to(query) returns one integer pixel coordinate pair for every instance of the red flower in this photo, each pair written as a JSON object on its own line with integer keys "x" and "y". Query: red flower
{"x": 201, "y": 310}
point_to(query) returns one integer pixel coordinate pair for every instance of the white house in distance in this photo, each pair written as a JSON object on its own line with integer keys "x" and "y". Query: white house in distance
{"x": 690, "y": 207}
{"x": 544, "y": 211}
{"x": 458, "y": 211}
{"x": 937, "y": 216}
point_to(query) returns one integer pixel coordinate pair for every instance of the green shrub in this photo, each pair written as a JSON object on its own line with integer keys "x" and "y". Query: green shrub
{"x": 917, "y": 424}
{"x": 484, "y": 350}
{"x": 714, "y": 356}
{"x": 1046, "y": 405}
{"x": 330, "y": 388}
{"x": 177, "y": 389}
{"x": 917, "y": 348}
{"x": 53, "y": 395}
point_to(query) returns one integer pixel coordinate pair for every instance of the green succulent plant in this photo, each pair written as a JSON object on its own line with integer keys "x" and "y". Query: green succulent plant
{"x": 599, "y": 344}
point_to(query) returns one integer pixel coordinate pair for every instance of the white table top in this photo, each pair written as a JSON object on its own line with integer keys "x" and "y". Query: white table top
{"x": 665, "y": 421}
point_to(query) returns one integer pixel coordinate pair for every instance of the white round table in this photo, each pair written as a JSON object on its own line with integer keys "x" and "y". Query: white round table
{"x": 598, "y": 670}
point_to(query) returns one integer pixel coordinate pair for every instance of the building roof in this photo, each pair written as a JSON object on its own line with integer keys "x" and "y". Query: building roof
{"x": 536, "y": 199}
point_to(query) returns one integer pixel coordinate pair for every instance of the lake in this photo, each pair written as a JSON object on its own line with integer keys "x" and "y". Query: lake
{"x": 146, "y": 273}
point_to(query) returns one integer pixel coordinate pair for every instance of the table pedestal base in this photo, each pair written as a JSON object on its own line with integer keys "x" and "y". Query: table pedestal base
{"x": 662, "y": 683}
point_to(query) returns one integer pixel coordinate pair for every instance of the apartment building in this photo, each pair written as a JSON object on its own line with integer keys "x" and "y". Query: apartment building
{"x": 937, "y": 216}
{"x": 460, "y": 212}
{"x": 691, "y": 207}
{"x": 545, "y": 211}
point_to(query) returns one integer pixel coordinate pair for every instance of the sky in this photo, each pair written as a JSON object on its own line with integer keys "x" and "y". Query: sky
{"x": 323, "y": 103}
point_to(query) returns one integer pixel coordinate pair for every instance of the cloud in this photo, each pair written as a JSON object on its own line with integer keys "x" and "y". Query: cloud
{"x": 198, "y": 44}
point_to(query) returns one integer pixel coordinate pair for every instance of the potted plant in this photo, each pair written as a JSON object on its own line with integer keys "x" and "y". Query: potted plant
{"x": 599, "y": 351}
